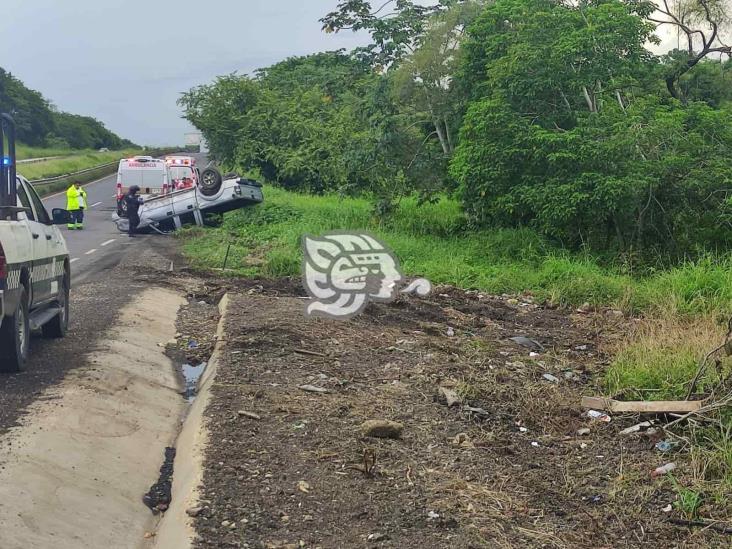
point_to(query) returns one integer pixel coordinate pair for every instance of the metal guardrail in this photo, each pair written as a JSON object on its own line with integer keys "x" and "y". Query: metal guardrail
{"x": 50, "y": 180}
{"x": 101, "y": 170}
{"x": 36, "y": 160}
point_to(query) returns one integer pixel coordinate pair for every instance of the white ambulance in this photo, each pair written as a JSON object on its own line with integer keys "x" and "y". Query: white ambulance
{"x": 150, "y": 174}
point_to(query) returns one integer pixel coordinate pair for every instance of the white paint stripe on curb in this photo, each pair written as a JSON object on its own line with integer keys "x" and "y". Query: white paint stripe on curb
{"x": 175, "y": 530}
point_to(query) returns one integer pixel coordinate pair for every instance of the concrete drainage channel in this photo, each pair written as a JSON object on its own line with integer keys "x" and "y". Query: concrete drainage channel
{"x": 175, "y": 530}
{"x": 74, "y": 473}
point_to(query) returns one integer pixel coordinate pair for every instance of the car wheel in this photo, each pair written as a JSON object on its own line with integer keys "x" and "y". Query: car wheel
{"x": 57, "y": 327}
{"x": 15, "y": 337}
{"x": 210, "y": 181}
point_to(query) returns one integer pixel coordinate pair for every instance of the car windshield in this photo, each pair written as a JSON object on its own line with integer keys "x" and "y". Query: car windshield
{"x": 179, "y": 172}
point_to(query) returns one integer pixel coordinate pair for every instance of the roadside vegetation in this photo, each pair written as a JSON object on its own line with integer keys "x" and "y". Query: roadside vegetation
{"x": 40, "y": 124}
{"x": 71, "y": 164}
{"x": 515, "y": 146}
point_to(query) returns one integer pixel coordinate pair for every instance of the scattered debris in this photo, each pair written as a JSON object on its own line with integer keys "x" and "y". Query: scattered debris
{"x": 666, "y": 445}
{"x": 149, "y": 535}
{"x": 642, "y": 406}
{"x": 583, "y": 432}
{"x": 193, "y": 344}
{"x": 194, "y": 511}
{"x": 432, "y": 515}
{"x": 663, "y": 469}
{"x": 382, "y": 428}
{"x": 594, "y": 414}
{"x": 313, "y": 389}
{"x": 450, "y": 331}
{"x": 636, "y": 428}
{"x": 535, "y": 444}
{"x": 462, "y": 440}
{"x": 250, "y": 415}
{"x": 310, "y": 353}
{"x": 551, "y": 378}
{"x": 480, "y": 412}
{"x": 377, "y": 537}
{"x": 450, "y": 397}
{"x": 303, "y": 486}
{"x": 668, "y": 508}
{"x": 528, "y": 343}
{"x": 585, "y": 308}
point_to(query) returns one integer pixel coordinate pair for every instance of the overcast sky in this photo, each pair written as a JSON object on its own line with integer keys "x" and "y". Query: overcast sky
{"x": 125, "y": 62}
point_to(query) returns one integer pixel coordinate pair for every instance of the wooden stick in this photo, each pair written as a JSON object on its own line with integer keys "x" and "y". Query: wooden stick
{"x": 642, "y": 406}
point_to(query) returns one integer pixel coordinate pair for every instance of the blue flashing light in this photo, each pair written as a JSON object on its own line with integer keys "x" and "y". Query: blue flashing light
{"x": 7, "y": 161}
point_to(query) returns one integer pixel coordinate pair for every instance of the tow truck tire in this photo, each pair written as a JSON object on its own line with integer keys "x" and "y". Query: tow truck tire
{"x": 211, "y": 181}
{"x": 56, "y": 328}
{"x": 15, "y": 337}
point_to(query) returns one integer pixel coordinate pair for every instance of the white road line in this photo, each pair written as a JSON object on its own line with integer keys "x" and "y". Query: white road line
{"x": 108, "y": 242}
{"x": 95, "y": 204}
{"x": 75, "y": 259}
{"x": 91, "y": 251}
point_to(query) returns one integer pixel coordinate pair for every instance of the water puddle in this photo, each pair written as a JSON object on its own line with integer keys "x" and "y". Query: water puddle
{"x": 192, "y": 374}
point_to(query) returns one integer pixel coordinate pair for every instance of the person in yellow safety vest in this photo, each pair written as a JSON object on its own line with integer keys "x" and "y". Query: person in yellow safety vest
{"x": 76, "y": 204}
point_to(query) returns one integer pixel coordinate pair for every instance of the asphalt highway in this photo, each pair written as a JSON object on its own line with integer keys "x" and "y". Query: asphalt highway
{"x": 103, "y": 280}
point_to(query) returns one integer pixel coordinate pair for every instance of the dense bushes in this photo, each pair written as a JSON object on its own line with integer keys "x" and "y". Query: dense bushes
{"x": 568, "y": 124}
{"x": 40, "y": 124}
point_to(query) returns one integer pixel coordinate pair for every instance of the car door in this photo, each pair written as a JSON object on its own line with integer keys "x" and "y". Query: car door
{"x": 40, "y": 289}
{"x": 56, "y": 252}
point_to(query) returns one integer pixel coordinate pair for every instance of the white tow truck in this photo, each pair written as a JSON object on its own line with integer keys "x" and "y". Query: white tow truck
{"x": 35, "y": 275}
{"x": 167, "y": 210}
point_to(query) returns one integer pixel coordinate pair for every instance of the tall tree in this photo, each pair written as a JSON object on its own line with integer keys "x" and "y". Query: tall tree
{"x": 702, "y": 23}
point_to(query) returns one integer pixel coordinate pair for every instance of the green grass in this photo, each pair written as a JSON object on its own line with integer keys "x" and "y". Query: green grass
{"x": 24, "y": 152}
{"x": 434, "y": 241}
{"x": 71, "y": 164}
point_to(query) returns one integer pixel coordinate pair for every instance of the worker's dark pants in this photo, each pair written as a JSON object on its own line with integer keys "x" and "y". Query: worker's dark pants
{"x": 134, "y": 221}
{"x": 77, "y": 217}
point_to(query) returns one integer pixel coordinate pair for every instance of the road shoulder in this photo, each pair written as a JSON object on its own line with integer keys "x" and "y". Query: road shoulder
{"x": 76, "y": 468}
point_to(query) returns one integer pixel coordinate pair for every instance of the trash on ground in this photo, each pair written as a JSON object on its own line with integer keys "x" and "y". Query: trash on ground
{"x": 663, "y": 469}
{"x": 313, "y": 389}
{"x": 583, "y": 432}
{"x": 462, "y": 440}
{"x": 193, "y": 344}
{"x": 642, "y": 406}
{"x": 551, "y": 378}
{"x": 528, "y": 343}
{"x": 636, "y": 428}
{"x": 600, "y": 416}
{"x": 480, "y": 412}
{"x": 250, "y": 415}
{"x": 450, "y": 397}
{"x": 666, "y": 445}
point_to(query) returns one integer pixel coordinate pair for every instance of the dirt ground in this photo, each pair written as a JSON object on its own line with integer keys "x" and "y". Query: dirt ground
{"x": 505, "y": 467}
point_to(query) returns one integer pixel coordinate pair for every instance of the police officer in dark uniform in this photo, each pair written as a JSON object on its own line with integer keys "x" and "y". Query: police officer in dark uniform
{"x": 133, "y": 203}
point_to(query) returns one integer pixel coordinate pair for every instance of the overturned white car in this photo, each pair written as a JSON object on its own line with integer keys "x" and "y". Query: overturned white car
{"x": 167, "y": 211}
